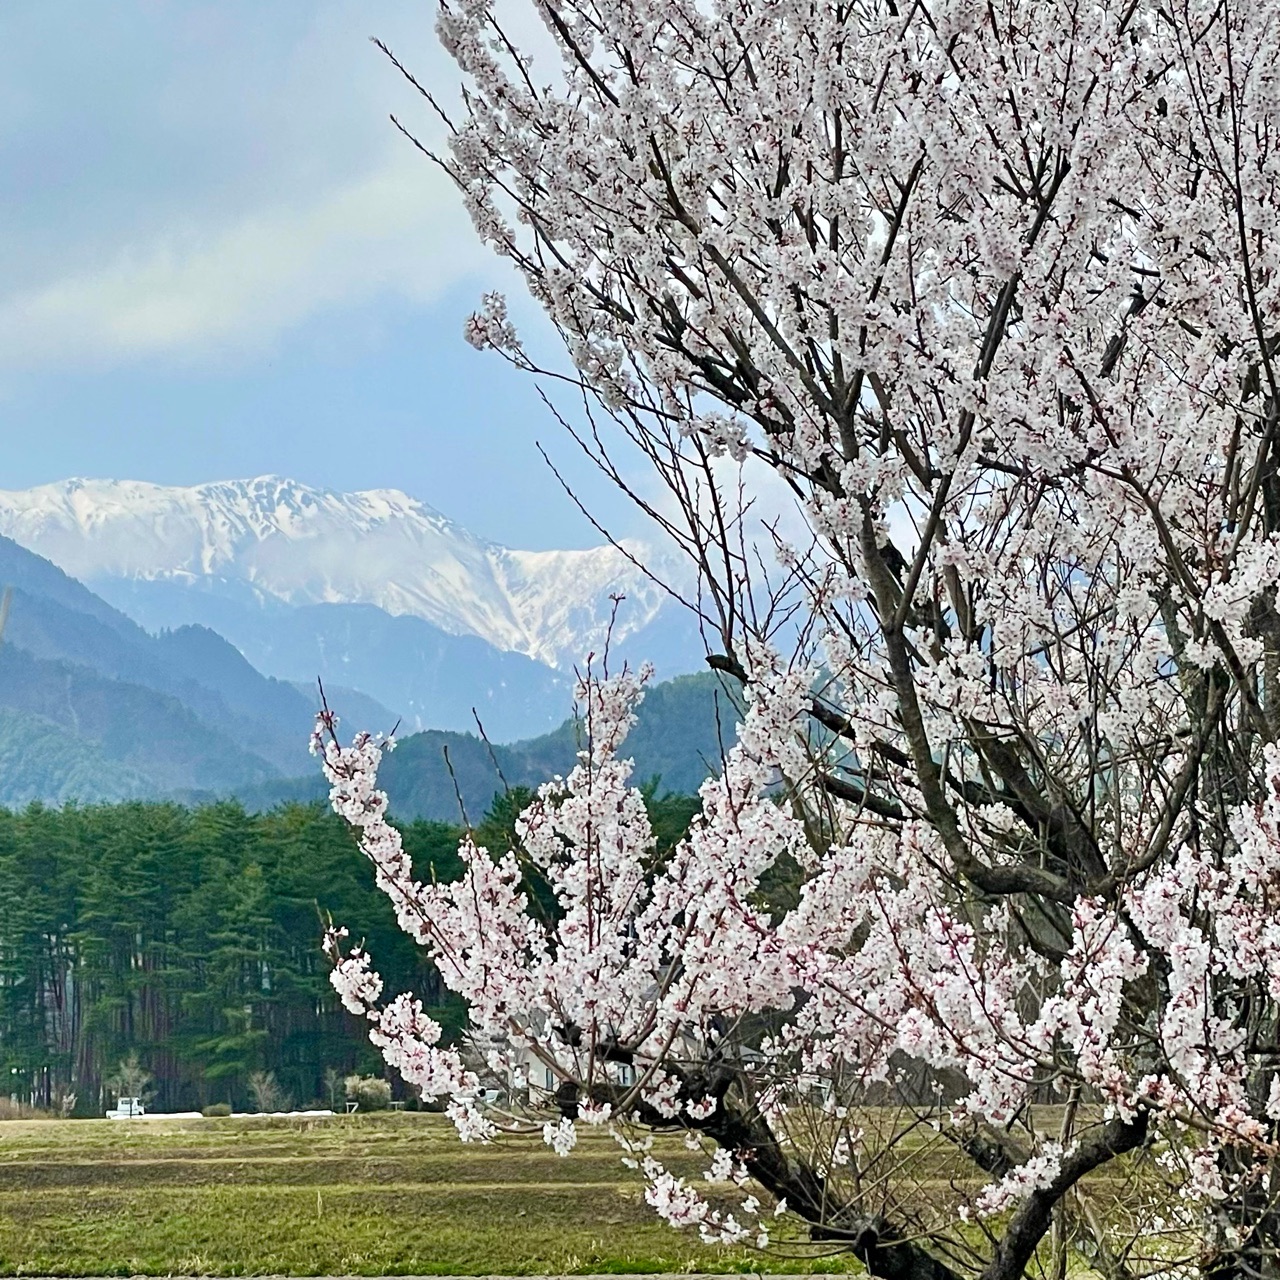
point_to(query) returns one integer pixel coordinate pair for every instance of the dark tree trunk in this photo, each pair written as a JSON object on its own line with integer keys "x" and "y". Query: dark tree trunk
{"x": 1030, "y": 1221}
{"x": 1250, "y": 1215}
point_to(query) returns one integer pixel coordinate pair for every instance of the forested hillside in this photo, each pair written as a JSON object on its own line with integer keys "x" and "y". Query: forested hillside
{"x": 117, "y": 712}
{"x": 682, "y": 728}
{"x": 191, "y": 937}
{"x": 94, "y": 708}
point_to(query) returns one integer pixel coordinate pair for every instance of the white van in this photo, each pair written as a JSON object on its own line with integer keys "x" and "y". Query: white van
{"x": 127, "y": 1109}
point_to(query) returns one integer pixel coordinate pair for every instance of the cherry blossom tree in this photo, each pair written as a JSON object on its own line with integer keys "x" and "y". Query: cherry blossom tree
{"x": 990, "y": 289}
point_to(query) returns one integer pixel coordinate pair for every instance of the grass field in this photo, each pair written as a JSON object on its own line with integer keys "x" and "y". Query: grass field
{"x": 359, "y": 1195}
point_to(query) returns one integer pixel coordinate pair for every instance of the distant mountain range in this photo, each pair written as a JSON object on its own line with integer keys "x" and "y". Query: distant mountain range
{"x": 372, "y": 590}
{"x": 94, "y": 706}
{"x": 293, "y": 544}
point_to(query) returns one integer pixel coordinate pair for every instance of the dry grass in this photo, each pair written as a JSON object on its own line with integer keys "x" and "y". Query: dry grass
{"x": 360, "y": 1195}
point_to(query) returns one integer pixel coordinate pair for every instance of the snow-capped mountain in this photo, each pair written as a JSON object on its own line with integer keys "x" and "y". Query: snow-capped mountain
{"x": 282, "y": 542}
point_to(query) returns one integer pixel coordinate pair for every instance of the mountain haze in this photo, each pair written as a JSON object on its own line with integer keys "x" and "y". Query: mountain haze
{"x": 433, "y": 679}
{"x": 93, "y": 707}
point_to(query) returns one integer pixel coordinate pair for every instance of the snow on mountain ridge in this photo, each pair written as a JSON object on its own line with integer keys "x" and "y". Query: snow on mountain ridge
{"x": 302, "y": 545}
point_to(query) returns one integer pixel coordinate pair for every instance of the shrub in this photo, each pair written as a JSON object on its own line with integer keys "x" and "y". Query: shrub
{"x": 372, "y": 1093}
{"x": 217, "y": 1109}
{"x": 11, "y": 1110}
{"x": 267, "y": 1094}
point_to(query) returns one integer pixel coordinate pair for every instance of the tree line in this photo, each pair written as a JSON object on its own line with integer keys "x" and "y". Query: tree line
{"x": 190, "y": 937}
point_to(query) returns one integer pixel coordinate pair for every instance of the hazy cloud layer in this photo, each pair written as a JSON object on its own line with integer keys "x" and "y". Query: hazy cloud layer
{"x": 240, "y": 282}
{"x": 192, "y": 178}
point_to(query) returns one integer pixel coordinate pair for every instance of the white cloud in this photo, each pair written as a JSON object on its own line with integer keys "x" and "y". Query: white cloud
{"x": 193, "y": 180}
{"x": 399, "y": 229}
{"x": 205, "y": 178}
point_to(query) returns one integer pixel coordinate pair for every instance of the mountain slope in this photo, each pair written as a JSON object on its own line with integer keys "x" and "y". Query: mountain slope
{"x": 39, "y": 760}
{"x": 150, "y": 733}
{"x": 54, "y": 617}
{"x": 681, "y": 728}
{"x": 286, "y": 542}
{"x": 92, "y": 707}
{"x": 432, "y": 679}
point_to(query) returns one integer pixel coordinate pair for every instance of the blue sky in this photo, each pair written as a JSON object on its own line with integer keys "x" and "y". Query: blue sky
{"x": 218, "y": 259}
